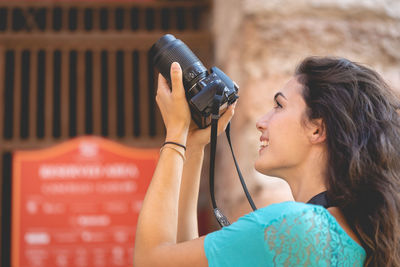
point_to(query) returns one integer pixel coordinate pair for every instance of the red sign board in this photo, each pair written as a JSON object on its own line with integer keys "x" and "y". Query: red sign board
{"x": 77, "y": 204}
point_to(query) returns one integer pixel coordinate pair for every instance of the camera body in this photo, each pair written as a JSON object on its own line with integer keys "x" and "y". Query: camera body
{"x": 200, "y": 85}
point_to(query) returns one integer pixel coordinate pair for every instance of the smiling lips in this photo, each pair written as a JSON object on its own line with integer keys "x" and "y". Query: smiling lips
{"x": 264, "y": 143}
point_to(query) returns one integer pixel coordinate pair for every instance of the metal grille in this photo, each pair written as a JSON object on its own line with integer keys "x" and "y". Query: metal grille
{"x": 71, "y": 69}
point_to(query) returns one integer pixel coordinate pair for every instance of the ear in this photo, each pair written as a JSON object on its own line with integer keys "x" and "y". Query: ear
{"x": 317, "y": 131}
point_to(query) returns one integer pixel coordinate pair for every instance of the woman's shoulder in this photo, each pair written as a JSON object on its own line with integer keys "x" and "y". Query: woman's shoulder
{"x": 301, "y": 220}
{"x": 284, "y": 232}
{"x": 288, "y": 210}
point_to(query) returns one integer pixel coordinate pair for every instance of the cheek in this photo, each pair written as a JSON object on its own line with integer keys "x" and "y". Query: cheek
{"x": 287, "y": 132}
{"x": 288, "y": 145}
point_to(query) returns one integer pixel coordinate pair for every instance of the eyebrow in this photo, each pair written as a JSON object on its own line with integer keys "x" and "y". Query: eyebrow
{"x": 279, "y": 94}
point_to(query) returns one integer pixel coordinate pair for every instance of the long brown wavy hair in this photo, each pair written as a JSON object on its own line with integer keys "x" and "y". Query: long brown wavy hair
{"x": 362, "y": 124}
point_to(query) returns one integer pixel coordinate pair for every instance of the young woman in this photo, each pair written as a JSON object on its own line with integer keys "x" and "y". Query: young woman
{"x": 334, "y": 129}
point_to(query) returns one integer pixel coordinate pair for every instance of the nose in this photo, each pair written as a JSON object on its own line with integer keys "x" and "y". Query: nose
{"x": 262, "y": 123}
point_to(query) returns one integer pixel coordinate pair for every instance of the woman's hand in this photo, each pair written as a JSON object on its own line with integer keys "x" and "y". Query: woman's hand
{"x": 173, "y": 106}
{"x": 176, "y": 113}
{"x": 199, "y": 138}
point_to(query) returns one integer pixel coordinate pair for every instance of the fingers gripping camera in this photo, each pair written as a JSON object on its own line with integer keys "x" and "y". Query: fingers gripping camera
{"x": 200, "y": 85}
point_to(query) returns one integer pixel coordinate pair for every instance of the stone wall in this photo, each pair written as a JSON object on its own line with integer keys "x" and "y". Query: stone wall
{"x": 259, "y": 43}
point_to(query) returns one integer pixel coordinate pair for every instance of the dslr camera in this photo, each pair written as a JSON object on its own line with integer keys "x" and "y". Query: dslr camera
{"x": 200, "y": 85}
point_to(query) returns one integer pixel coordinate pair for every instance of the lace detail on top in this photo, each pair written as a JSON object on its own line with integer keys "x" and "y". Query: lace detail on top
{"x": 311, "y": 238}
{"x": 283, "y": 234}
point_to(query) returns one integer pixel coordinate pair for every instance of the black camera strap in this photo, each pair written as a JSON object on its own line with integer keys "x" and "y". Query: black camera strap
{"x": 221, "y": 218}
{"x": 228, "y": 136}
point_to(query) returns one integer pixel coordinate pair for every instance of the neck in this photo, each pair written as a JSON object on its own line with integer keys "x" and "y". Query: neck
{"x": 305, "y": 191}
{"x": 308, "y": 179}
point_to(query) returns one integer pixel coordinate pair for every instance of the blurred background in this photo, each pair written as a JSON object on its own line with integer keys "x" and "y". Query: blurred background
{"x": 73, "y": 68}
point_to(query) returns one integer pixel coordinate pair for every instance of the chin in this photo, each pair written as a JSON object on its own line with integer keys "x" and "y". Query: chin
{"x": 262, "y": 169}
{"x": 266, "y": 170}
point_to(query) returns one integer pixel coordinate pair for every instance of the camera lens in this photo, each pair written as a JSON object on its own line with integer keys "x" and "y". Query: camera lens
{"x": 167, "y": 50}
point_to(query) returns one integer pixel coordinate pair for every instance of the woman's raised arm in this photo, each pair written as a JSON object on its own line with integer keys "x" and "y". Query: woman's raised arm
{"x": 156, "y": 241}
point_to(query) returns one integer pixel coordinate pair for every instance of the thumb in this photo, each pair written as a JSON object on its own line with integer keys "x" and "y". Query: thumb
{"x": 176, "y": 79}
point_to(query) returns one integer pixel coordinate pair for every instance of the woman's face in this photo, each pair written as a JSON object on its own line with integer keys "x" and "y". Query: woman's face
{"x": 284, "y": 137}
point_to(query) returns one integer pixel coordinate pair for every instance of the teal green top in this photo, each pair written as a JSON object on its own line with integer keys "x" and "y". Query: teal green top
{"x": 284, "y": 234}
